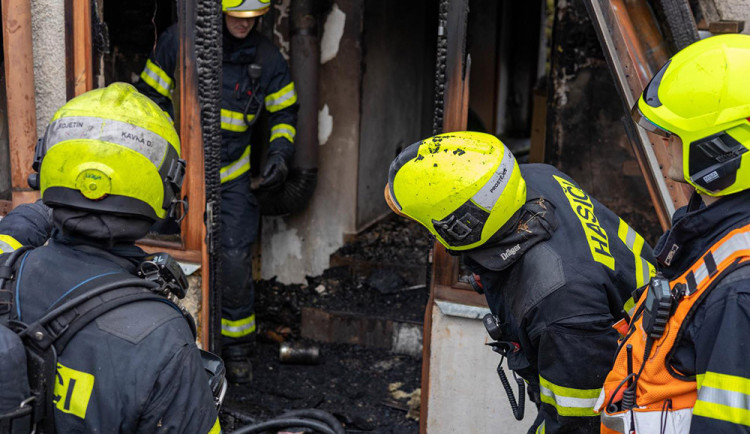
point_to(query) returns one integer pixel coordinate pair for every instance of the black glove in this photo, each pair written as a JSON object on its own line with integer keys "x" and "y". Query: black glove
{"x": 274, "y": 172}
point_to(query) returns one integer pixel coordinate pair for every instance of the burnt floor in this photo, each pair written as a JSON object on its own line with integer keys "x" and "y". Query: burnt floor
{"x": 368, "y": 389}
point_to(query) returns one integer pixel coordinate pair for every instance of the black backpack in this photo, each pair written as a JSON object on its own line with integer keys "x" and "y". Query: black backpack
{"x": 28, "y": 352}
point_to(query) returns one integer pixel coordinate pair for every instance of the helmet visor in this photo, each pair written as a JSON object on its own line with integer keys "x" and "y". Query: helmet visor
{"x": 646, "y": 123}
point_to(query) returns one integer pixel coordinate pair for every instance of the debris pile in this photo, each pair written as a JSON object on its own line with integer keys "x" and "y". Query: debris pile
{"x": 368, "y": 386}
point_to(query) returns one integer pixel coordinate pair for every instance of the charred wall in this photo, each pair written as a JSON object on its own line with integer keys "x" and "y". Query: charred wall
{"x": 585, "y": 134}
{"x": 397, "y": 87}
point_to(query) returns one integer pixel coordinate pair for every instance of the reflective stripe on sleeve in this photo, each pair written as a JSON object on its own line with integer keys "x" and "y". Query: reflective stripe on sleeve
{"x": 634, "y": 241}
{"x": 233, "y": 121}
{"x": 216, "y": 429}
{"x": 145, "y": 142}
{"x": 237, "y": 329}
{"x": 8, "y": 244}
{"x": 236, "y": 168}
{"x": 723, "y": 397}
{"x": 569, "y": 401}
{"x": 283, "y": 130}
{"x": 281, "y": 99}
{"x": 157, "y": 78}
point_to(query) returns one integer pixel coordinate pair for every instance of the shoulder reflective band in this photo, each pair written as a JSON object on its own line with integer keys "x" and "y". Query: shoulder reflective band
{"x": 281, "y": 99}
{"x": 283, "y": 130}
{"x": 723, "y": 397}
{"x": 145, "y": 142}
{"x": 233, "y": 121}
{"x": 738, "y": 241}
{"x": 569, "y": 401}
{"x": 494, "y": 187}
{"x": 237, "y": 329}
{"x": 236, "y": 168}
{"x": 157, "y": 78}
{"x": 8, "y": 244}
{"x": 634, "y": 241}
{"x": 73, "y": 391}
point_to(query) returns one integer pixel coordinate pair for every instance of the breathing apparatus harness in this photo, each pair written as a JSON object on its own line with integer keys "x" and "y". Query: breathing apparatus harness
{"x": 160, "y": 278}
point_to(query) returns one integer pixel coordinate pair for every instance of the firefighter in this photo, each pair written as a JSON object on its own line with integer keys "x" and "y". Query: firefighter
{"x": 254, "y": 75}
{"x": 109, "y": 167}
{"x": 26, "y": 225}
{"x": 556, "y": 266}
{"x": 690, "y": 323}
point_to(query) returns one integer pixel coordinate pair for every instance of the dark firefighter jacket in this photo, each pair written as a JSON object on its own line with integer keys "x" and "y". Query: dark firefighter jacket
{"x": 241, "y": 98}
{"x": 713, "y": 347}
{"x": 557, "y": 280}
{"x": 26, "y": 225}
{"x": 135, "y": 369}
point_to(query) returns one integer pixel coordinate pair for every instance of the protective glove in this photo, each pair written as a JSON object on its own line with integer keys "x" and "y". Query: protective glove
{"x": 274, "y": 172}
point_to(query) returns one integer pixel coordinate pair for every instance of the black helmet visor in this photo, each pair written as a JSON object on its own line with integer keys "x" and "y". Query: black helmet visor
{"x": 646, "y": 123}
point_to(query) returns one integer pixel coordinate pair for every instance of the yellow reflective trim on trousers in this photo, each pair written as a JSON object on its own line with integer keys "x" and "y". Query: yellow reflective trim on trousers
{"x": 234, "y": 121}
{"x": 634, "y": 242}
{"x": 281, "y": 99}
{"x": 216, "y": 429}
{"x": 583, "y": 208}
{"x": 567, "y": 400}
{"x": 8, "y": 244}
{"x": 72, "y": 391}
{"x": 540, "y": 429}
{"x": 239, "y": 328}
{"x": 283, "y": 130}
{"x": 235, "y": 169}
{"x": 157, "y": 78}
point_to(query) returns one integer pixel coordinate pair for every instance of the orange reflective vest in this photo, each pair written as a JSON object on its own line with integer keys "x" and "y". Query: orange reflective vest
{"x": 664, "y": 397}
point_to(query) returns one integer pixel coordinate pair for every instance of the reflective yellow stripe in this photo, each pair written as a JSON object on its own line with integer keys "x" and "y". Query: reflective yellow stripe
{"x": 583, "y": 208}
{"x": 216, "y": 429}
{"x": 8, "y": 244}
{"x": 233, "y": 121}
{"x": 157, "y": 78}
{"x": 237, "y": 168}
{"x": 540, "y": 429}
{"x": 283, "y": 130}
{"x": 281, "y": 99}
{"x": 629, "y": 305}
{"x": 73, "y": 391}
{"x": 237, "y": 329}
{"x": 569, "y": 401}
{"x": 724, "y": 397}
{"x": 634, "y": 241}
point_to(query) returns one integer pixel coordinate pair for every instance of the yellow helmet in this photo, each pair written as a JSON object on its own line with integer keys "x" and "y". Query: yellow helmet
{"x": 111, "y": 150}
{"x": 245, "y": 8}
{"x": 702, "y": 95}
{"x": 463, "y": 187}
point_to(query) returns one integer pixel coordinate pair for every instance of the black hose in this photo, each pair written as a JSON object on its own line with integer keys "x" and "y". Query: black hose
{"x": 285, "y": 423}
{"x": 321, "y": 415}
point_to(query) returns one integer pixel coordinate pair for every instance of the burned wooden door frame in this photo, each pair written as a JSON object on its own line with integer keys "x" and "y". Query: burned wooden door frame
{"x": 635, "y": 50}
{"x": 444, "y": 284}
{"x": 19, "y": 80}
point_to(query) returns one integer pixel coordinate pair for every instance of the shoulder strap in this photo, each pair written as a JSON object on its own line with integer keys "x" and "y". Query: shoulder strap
{"x": 63, "y": 321}
{"x": 7, "y": 272}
